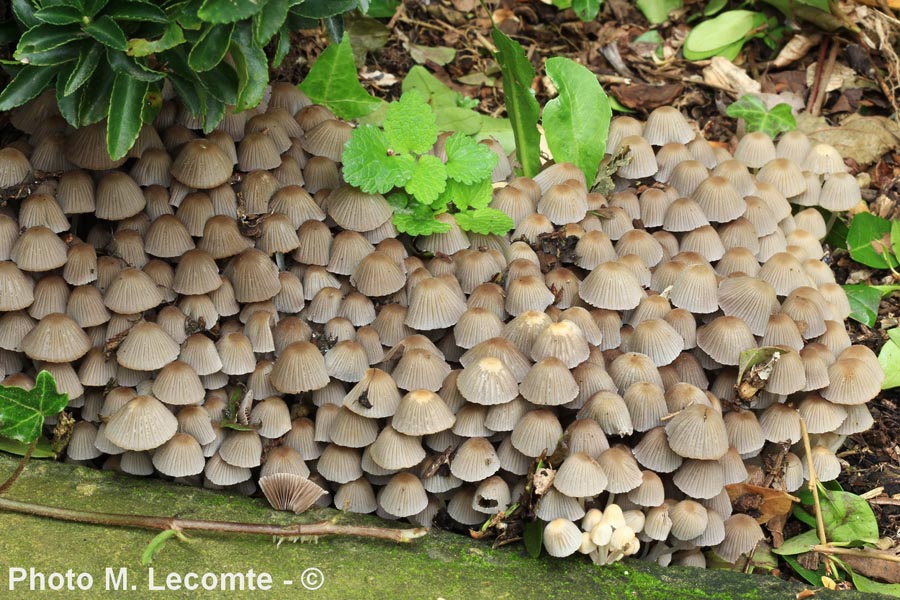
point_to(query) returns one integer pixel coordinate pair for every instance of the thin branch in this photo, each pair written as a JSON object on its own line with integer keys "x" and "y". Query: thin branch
{"x": 20, "y": 467}
{"x": 826, "y": 549}
{"x": 164, "y": 523}
{"x": 813, "y": 482}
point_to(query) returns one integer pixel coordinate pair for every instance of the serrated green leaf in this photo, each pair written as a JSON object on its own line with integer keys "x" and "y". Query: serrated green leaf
{"x": 864, "y": 301}
{"x": 84, "y": 68}
{"x": 521, "y": 105}
{"x": 59, "y": 15}
{"x": 171, "y": 37}
{"x": 889, "y": 359}
{"x": 869, "y": 241}
{"x": 136, "y": 10}
{"x": 429, "y": 179}
{"x": 753, "y": 111}
{"x": 398, "y": 201}
{"x": 269, "y": 20}
{"x": 125, "y": 104}
{"x": 409, "y": 124}
{"x": 463, "y": 196}
{"x": 576, "y": 122}
{"x": 420, "y": 220}
{"x": 468, "y": 161}
{"x": 228, "y": 11}
{"x": 55, "y": 56}
{"x": 22, "y": 412}
{"x": 332, "y": 82}
{"x": 368, "y": 165}
{"x": 24, "y": 11}
{"x": 107, "y": 32}
{"x": 251, "y": 66}
{"x": 211, "y": 48}
{"x": 94, "y": 104}
{"x": 485, "y": 221}
{"x": 27, "y": 84}
{"x": 43, "y": 37}
{"x": 122, "y": 63}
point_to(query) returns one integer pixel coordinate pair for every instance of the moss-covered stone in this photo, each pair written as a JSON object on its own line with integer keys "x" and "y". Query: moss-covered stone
{"x": 441, "y": 565}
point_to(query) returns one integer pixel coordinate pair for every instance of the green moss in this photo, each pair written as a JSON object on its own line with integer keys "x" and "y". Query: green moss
{"x": 442, "y": 565}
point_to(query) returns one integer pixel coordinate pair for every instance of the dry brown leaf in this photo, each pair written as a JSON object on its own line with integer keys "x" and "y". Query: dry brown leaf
{"x": 863, "y": 139}
{"x": 761, "y": 503}
{"x": 795, "y": 49}
{"x": 724, "y": 74}
{"x": 874, "y": 567}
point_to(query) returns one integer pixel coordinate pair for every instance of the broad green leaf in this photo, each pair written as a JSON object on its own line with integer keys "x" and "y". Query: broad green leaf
{"x": 55, "y": 56}
{"x": 282, "y": 46}
{"x": 895, "y": 237}
{"x": 269, "y": 20}
{"x": 210, "y": 49}
{"x": 24, "y": 11}
{"x": 813, "y": 577}
{"x": 497, "y": 129}
{"x": 22, "y": 412}
{"x": 68, "y": 105}
{"x": 171, "y": 37}
{"x": 586, "y": 10}
{"x": 521, "y": 105}
{"x": 864, "y": 301}
{"x": 657, "y": 11}
{"x": 419, "y": 220}
{"x": 382, "y": 9}
{"x": 798, "y": 544}
{"x": 464, "y": 196}
{"x": 107, "y": 32}
{"x": 27, "y": 84}
{"x": 485, "y": 221}
{"x": 335, "y": 27}
{"x": 533, "y": 537}
{"x": 46, "y": 37}
{"x": 94, "y": 104}
{"x": 428, "y": 180}
{"x": 753, "y": 111}
{"x": 60, "y": 14}
{"x": 409, "y": 124}
{"x": 332, "y": 82}
{"x": 848, "y": 518}
{"x": 457, "y": 118}
{"x": 252, "y": 68}
{"x": 436, "y": 92}
{"x": 122, "y": 63}
{"x": 221, "y": 82}
{"x": 714, "y": 7}
{"x": 125, "y": 104}
{"x": 864, "y": 584}
{"x": 576, "y": 122}
{"x": 889, "y": 359}
{"x": 368, "y": 165}
{"x": 137, "y": 10}
{"x": 439, "y": 55}
{"x": 709, "y": 37}
{"x": 228, "y": 11}
{"x": 467, "y": 160}
{"x": 87, "y": 64}
{"x": 92, "y": 7}
{"x": 42, "y": 450}
{"x": 869, "y": 241}
{"x": 322, "y": 9}
{"x": 153, "y": 102}
{"x": 188, "y": 92}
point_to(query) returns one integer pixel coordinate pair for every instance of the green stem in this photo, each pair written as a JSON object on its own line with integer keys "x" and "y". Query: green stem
{"x": 164, "y": 523}
{"x": 20, "y": 467}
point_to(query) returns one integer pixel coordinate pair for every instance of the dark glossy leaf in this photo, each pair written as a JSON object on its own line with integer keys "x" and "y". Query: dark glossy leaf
{"x": 269, "y": 20}
{"x": 812, "y": 577}
{"x": 107, "y": 32}
{"x": 92, "y": 7}
{"x": 533, "y": 537}
{"x": 59, "y": 15}
{"x": 321, "y": 9}
{"x": 171, "y": 37}
{"x": 24, "y": 10}
{"x": 27, "y": 84}
{"x": 869, "y": 241}
{"x": 210, "y": 49}
{"x": 153, "y": 102}
{"x": 68, "y": 105}
{"x": 185, "y": 14}
{"x": 864, "y": 301}
{"x": 576, "y": 122}
{"x": 221, "y": 82}
{"x": 521, "y": 105}
{"x": 46, "y": 37}
{"x": 94, "y": 104}
{"x": 227, "y": 11}
{"x": 282, "y": 46}
{"x": 84, "y": 68}
{"x": 187, "y": 92}
{"x": 125, "y": 105}
{"x": 134, "y": 10}
{"x": 213, "y": 112}
{"x": 382, "y": 9}
{"x": 335, "y": 28}
{"x": 22, "y": 412}
{"x": 122, "y": 63}
{"x": 332, "y": 81}
{"x": 55, "y": 56}
{"x": 251, "y": 66}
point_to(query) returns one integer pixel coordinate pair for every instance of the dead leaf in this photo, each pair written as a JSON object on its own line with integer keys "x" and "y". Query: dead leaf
{"x": 862, "y": 139}
{"x": 842, "y": 76}
{"x": 875, "y": 567}
{"x": 795, "y": 49}
{"x": 805, "y": 593}
{"x": 543, "y": 481}
{"x": 645, "y": 96}
{"x": 724, "y": 74}
{"x": 439, "y": 55}
{"x": 761, "y": 503}
{"x": 464, "y": 5}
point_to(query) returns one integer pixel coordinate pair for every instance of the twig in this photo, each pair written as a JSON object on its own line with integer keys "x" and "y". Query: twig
{"x": 826, "y": 77}
{"x": 164, "y": 523}
{"x": 20, "y": 467}
{"x": 817, "y": 80}
{"x": 826, "y": 549}
{"x": 814, "y": 488}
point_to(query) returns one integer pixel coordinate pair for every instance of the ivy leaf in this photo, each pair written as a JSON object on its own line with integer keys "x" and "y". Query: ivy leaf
{"x": 368, "y": 164}
{"x": 22, "y": 412}
{"x": 410, "y": 124}
{"x": 476, "y": 195}
{"x": 332, "y": 82}
{"x": 467, "y": 160}
{"x": 419, "y": 221}
{"x": 484, "y": 220}
{"x": 753, "y": 111}
{"x": 429, "y": 179}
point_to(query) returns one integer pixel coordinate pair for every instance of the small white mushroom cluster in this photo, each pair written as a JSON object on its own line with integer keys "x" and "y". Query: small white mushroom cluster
{"x": 415, "y": 377}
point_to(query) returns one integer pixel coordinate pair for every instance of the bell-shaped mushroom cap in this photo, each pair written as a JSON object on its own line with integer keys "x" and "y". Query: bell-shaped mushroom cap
{"x": 749, "y": 299}
{"x": 433, "y": 305}
{"x": 181, "y": 456}
{"x": 394, "y": 450}
{"x": 724, "y": 339}
{"x": 653, "y": 452}
{"x": 558, "y": 173}
{"x": 487, "y": 382}
{"x": 222, "y": 238}
{"x": 143, "y": 423}
{"x": 824, "y": 159}
{"x": 549, "y": 383}
{"x": 650, "y": 492}
{"x": 851, "y": 382}
{"x": 657, "y": 339}
{"x": 356, "y": 496}
{"x": 742, "y": 533}
{"x": 632, "y": 367}
{"x": 476, "y": 325}
{"x": 646, "y": 405}
{"x": 695, "y": 289}
{"x": 132, "y": 291}
{"x": 14, "y": 167}
{"x": 86, "y": 148}
{"x": 755, "y": 149}
{"x": 611, "y": 286}
{"x": 422, "y": 412}
{"x": 403, "y": 496}
{"x": 378, "y": 275}
{"x": 698, "y": 432}
{"x": 201, "y": 164}
{"x": 785, "y": 175}
{"x": 780, "y": 423}
{"x": 178, "y": 384}
{"x": 283, "y": 459}
{"x": 39, "y": 250}
{"x": 564, "y": 341}
{"x": 355, "y": 210}
{"x": 689, "y": 520}
{"x": 236, "y": 354}
{"x": 793, "y": 145}
{"x": 196, "y": 274}
{"x": 820, "y": 415}
{"x": 536, "y": 432}
{"x": 609, "y": 410}
{"x": 56, "y": 339}
{"x": 167, "y": 237}
{"x": 840, "y": 192}
{"x": 561, "y": 538}
{"x": 374, "y": 396}
{"x": 41, "y": 209}
{"x": 699, "y": 478}
{"x": 254, "y": 276}
{"x": 273, "y": 416}
{"x": 720, "y": 201}
{"x": 492, "y": 496}
{"x": 118, "y": 197}
{"x": 299, "y": 368}
{"x": 16, "y": 288}
{"x": 147, "y": 348}
{"x": 622, "y": 471}
{"x": 289, "y": 491}
{"x": 564, "y": 203}
{"x": 666, "y": 124}
{"x": 580, "y": 476}
{"x": 475, "y": 460}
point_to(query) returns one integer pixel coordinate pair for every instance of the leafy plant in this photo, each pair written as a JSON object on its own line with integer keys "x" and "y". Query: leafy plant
{"x": 108, "y": 59}
{"x": 332, "y": 82}
{"x": 753, "y": 111}
{"x": 889, "y": 359}
{"x": 725, "y": 34}
{"x": 395, "y": 159}
{"x": 22, "y": 412}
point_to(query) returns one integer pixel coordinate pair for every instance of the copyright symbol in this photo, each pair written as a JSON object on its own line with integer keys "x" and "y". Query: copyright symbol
{"x": 312, "y": 579}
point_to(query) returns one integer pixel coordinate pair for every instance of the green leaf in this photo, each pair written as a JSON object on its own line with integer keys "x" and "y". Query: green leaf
{"x": 42, "y": 450}
{"x": 753, "y": 357}
{"x": 210, "y": 49}
{"x": 60, "y": 14}
{"x": 435, "y": 91}
{"x": 92, "y": 7}
{"x": 24, "y": 11}
{"x": 228, "y": 11}
{"x": 467, "y": 160}
{"x": 55, "y": 56}
{"x": 221, "y": 82}
{"x": 107, "y": 32}
{"x": 252, "y": 68}
{"x": 269, "y": 20}
{"x": 322, "y": 9}
{"x": 171, "y": 37}
{"x": 497, "y": 129}
{"x": 657, "y": 11}
{"x": 895, "y": 237}
{"x": 84, "y": 68}
{"x": 29, "y": 83}
{"x": 125, "y": 104}
{"x": 282, "y": 46}
{"x": 713, "y": 7}
{"x": 409, "y": 124}
{"x": 586, "y": 10}
{"x": 46, "y": 37}
{"x": 813, "y": 577}
{"x": 94, "y": 105}
{"x": 68, "y": 105}
{"x": 332, "y": 82}
{"x": 798, "y": 544}
{"x": 457, "y": 118}
{"x": 122, "y": 63}
{"x": 22, "y": 412}
{"x": 864, "y": 301}
{"x": 848, "y": 518}
{"x": 429, "y": 179}
{"x": 533, "y": 537}
{"x": 889, "y": 359}
{"x": 864, "y": 584}
{"x": 368, "y": 165}
{"x": 463, "y": 196}
{"x": 576, "y": 122}
{"x": 869, "y": 241}
{"x": 710, "y": 37}
{"x": 156, "y": 544}
{"x": 382, "y": 9}
{"x": 419, "y": 221}
{"x": 136, "y": 10}
{"x": 485, "y": 220}
{"x": 398, "y": 201}
{"x": 521, "y": 105}
{"x": 753, "y": 111}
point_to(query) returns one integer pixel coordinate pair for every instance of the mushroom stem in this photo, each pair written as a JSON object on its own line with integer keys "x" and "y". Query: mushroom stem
{"x": 165, "y": 523}
{"x": 4, "y": 487}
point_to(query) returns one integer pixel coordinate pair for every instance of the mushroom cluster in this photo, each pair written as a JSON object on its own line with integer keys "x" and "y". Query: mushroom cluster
{"x": 223, "y": 310}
